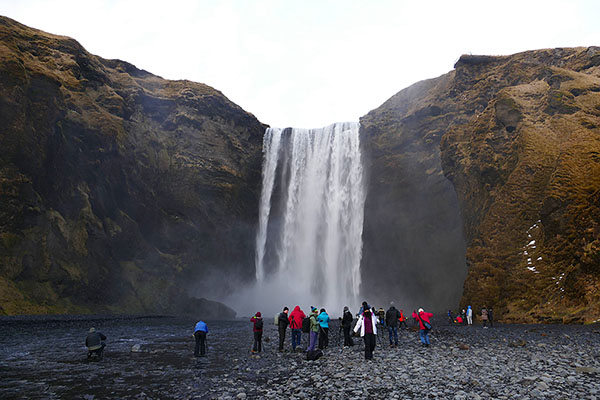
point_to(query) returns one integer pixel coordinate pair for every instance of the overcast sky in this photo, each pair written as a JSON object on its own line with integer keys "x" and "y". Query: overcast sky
{"x": 306, "y": 63}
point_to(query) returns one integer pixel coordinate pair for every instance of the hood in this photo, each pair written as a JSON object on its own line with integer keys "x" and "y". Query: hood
{"x": 296, "y": 309}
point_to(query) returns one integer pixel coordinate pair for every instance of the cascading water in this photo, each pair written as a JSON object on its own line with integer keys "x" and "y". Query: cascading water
{"x": 309, "y": 241}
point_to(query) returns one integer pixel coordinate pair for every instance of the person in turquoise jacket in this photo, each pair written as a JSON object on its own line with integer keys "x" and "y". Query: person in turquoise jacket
{"x": 323, "y": 319}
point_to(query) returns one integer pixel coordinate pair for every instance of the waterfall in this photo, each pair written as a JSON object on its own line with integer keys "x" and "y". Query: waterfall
{"x": 309, "y": 239}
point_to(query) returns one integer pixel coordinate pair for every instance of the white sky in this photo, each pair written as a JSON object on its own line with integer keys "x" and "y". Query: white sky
{"x": 306, "y": 63}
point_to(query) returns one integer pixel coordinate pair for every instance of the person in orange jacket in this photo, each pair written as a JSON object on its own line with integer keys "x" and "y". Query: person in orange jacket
{"x": 402, "y": 320}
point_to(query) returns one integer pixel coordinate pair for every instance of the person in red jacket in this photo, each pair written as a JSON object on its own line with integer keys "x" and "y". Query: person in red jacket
{"x": 424, "y": 332}
{"x": 258, "y": 331}
{"x": 295, "y": 318}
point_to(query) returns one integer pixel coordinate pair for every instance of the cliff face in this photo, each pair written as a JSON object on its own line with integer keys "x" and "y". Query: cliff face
{"x": 519, "y": 139}
{"x": 117, "y": 187}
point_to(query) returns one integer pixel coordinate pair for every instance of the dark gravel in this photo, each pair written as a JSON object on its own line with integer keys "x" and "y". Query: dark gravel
{"x": 45, "y": 358}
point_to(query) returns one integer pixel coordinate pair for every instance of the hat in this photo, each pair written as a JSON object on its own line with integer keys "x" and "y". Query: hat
{"x": 421, "y": 310}
{"x": 345, "y": 308}
{"x": 258, "y": 314}
{"x": 92, "y": 330}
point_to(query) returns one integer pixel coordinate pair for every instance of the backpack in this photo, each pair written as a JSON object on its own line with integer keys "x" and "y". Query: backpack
{"x": 258, "y": 324}
{"x": 427, "y": 325}
{"x": 306, "y": 325}
{"x": 314, "y": 355}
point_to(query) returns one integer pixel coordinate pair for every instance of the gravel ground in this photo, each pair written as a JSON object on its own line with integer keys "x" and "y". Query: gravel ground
{"x": 45, "y": 358}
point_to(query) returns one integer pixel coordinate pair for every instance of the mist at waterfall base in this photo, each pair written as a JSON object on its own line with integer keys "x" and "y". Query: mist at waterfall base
{"x": 309, "y": 238}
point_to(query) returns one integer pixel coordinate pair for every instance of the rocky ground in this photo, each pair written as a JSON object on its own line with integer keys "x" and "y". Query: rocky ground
{"x": 152, "y": 358}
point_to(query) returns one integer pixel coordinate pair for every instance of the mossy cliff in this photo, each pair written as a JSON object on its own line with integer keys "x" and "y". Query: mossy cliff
{"x": 519, "y": 139}
{"x": 117, "y": 187}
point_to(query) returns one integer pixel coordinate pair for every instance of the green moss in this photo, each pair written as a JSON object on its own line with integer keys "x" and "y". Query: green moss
{"x": 9, "y": 240}
{"x": 560, "y": 102}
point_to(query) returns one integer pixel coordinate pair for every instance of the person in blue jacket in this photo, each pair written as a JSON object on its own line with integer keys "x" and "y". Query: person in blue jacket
{"x": 323, "y": 320}
{"x": 200, "y": 332}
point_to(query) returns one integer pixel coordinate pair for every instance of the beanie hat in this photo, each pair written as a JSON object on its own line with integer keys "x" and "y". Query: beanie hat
{"x": 345, "y": 308}
{"x": 258, "y": 314}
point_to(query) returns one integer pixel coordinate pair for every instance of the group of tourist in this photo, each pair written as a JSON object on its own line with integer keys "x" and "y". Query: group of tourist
{"x": 316, "y": 325}
{"x": 466, "y": 317}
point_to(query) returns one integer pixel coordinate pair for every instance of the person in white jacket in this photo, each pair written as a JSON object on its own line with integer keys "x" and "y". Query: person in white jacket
{"x": 367, "y": 323}
{"x": 470, "y": 315}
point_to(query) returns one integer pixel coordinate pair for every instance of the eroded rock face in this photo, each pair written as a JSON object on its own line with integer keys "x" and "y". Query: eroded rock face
{"x": 117, "y": 188}
{"x": 519, "y": 139}
{"x": 414, "y": 251}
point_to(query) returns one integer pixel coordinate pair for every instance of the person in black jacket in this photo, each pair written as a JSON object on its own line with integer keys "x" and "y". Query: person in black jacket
{"x": 282, "y": 324}
{"x": 346, "y": 326}
{"x": 94, "y": 343}
{"x": 391, "y": 320}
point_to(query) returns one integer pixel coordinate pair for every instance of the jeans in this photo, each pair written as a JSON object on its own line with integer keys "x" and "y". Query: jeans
{"x": 200, "y": 343}
{"x": 347, "y": 338}
{"x": 323, "y": 338}
{"x": 257, "y": 341}
{"x": 424, "y": 334}
{"x": 369, "y": 339}
{"x": 393, "y": 330}
{"x": 313, "y": 340}
{"x": 281, "y": 338}
{"x": 296, "y": 338}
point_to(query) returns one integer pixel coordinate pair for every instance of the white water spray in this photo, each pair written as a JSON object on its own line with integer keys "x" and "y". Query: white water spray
{"x": 309, "y": 240}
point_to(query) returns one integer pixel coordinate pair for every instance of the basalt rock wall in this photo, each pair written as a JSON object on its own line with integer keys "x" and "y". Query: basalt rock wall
{"x": 510, "y": 146}
{"x": 117, "y": 187}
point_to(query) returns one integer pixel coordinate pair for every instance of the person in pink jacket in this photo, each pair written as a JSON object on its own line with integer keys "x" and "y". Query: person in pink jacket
{"x": 258, "y": 331}
{"x": 424, "y": 331}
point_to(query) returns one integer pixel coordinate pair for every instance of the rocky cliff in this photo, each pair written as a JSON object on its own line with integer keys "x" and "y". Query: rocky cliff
{"x": 511, "y": 146}
{"x": 117, "y": 187}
